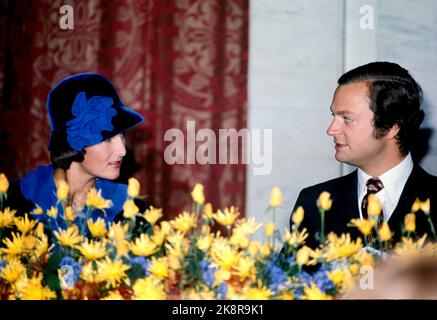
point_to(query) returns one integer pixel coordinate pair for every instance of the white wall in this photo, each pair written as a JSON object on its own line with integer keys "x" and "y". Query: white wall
{"x": 297, "y": 51}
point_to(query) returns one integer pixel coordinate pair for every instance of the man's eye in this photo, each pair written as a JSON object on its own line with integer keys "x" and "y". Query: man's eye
{"x": 347, "y": 119}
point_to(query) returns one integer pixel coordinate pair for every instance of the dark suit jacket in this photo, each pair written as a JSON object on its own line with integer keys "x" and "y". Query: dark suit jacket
{"x": 344, "y": 196}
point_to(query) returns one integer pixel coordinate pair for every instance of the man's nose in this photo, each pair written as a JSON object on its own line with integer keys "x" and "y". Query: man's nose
{"x": 333, "y": 128}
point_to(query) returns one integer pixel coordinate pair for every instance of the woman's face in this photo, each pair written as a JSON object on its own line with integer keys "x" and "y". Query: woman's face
{"x": 103, "y": 160}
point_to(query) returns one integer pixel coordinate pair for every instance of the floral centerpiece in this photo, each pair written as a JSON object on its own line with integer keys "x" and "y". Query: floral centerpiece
{"x": 184, "y": 258}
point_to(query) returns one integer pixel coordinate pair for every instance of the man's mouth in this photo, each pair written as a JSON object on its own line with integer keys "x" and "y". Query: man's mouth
{"x": 115, "y": 164}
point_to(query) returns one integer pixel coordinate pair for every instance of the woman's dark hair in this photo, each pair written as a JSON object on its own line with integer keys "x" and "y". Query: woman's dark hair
{"x": 63, "y": 159}
{"x": 395, "y": 99}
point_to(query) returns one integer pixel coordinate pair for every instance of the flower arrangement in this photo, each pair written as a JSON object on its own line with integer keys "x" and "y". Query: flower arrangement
{"x": 184, "y": 258}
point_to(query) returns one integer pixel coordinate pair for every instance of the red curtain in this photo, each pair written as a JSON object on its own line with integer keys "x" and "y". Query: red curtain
{"x": 171, "y": 60}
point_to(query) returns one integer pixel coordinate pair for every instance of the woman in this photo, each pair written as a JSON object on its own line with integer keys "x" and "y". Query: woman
{"x": 87, "y": 147}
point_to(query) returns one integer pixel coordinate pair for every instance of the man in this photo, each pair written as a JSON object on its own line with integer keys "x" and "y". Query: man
{"x": 376, "y": 116}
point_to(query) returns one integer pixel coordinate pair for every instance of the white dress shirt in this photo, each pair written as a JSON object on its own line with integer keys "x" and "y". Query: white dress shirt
{"x": 393, "y": 180}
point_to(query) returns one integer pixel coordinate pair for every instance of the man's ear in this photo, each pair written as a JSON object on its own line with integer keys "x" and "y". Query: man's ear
{"x": 393, "y": 132}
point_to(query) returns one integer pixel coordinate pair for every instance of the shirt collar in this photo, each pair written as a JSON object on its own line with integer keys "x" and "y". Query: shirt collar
{"x": 393, "y": 179}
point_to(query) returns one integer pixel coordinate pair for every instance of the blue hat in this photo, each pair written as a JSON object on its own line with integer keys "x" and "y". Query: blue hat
{"x": 85, "y": 109}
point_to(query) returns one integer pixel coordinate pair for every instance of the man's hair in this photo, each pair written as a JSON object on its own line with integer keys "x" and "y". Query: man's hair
{"x": 395, "y": 99}
{"x": 63, "y": 159}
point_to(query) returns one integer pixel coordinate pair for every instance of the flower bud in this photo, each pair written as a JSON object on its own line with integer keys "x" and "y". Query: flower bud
{"x": 275, "y": 197}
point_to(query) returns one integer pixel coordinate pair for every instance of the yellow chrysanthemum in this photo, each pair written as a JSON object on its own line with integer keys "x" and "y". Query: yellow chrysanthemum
{"x": 197, "y": 194}
{"x": 245, "y": 268}
{"x": 384, "y": 233}
{"x": 275, "y": 197}
{"x": 130, "y": 209}
{"x": 69, "y": 237}
{"x": 133, "y": 188}
{"x": 159, "y": 268}
{"x": 39, "y": 230}
{"x": 324, "y": 202}
{"x": 257, "y": 293}
{"x": 341, "y": 247}
{"x": 69, "y": 214}
{"x": 143, "y": 246}
{"x": 425, "y": 206}
{"x": 4, "y": 183}
{"x": 374, "y": 205}
{"x": 184, "y": 222}
{"x": 13, "y": 270}
{"x": 92, "y": 250}
{"x": 365, "y": 226}
{"x": 34, "y": 290}
{"x": 303, "y": 255}
{"x": 226, "y": 217}
{"x": 254, "y": 248}
{"x": 97, "y": 228}
{"x": 224, "y": 255}
{"x": 152, "y": 215}
{"x": 298, "y": 215}
{"x": 204, "y": 242}
{"x": 24, "y": 225}
{"x": 117, "y": 231}
{"x": 37, "y": 210}
{"x": 408, "y": 247}
{"x": 221, "y": 275}
{"x": 314, "y": 293}
{"x": 111, "y": 272}
{"x": 149, "y": 288}
{"x": 62, "y": 190}
{"x": 265, "y": 250}
{"x": 207, "y": 212}
{"x": 52, "y": 212}
{"x": 269, "y": 229}
{"x": 95, "y": 200}
{"x": 7, "y": 218}
{"x": 113, "y": 295}
{"x": 88, "y": 273}
{"x": 337, "y": 276}
{"x": 410, "y": 222}
{"x": 14, "y": 246}
{"x": 165, "y": 227}
{"x": 295, "y": 238}
{"x": 158, "y": 236}
{"x": 42, "y": 246}
{"x": 29, "y": 242}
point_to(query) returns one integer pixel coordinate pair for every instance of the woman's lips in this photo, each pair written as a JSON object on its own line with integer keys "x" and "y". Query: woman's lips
{"x": 115, "y": 164}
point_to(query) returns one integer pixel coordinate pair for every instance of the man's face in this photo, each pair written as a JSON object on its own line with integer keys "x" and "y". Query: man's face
{"x": 104, "y": 159}
{"x": 352, "y": 128}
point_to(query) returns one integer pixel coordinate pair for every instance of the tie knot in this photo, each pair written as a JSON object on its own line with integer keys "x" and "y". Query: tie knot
{"x": 374, "y": 185}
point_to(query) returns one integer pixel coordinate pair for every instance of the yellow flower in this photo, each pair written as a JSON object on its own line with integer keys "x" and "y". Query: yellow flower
{"x": 149, "y": 288}
{"x": 143, "y": 246}
{"x": 62, "y": 190}
{"x": 88, "y": 273}
{"x": 384, "y": 232}
{"x": 14, "y": 247}
{"x": 298, "y": 215}
{"x": 69, "y": 214}
{"x": 227, "y": 217}
{"x": 374, "y": 205}
{"x": 39, "y": 231}
{"x": 204, "y": 242}
{"x": 13, "y": 270}
{"x": 245, "y": 268}
{"x": 29, "y": 242}
{"x": 111, "y": 272}
{"x": 7, "y": 218}
{"x": 52, "y": 212}
{"x": 295, "y": 237}
{"x": 133, "y": 188}
{"x": 416, "y": 206}
{"x": 34, "y": 290}
{"x": 37, "y": 210}
{"x": 165, "y": 227}
{"x": 94, "y": 199}
{"x": 24, "y": 225}
{"x": 4, "y": 183}
{"x": 336, "y": 276}
{"x": 410, "y": 248}
{"x": 254, "y": 248}
{"x": 159, "y": 268}
{"x": 410, "y": 222}
{"x": 265, "y": 250}
{"x": 113, "y": 295}
{"x": 197, "y": 194}
{"x": 221, "y": 275}
{"x": 69, "y": 237}
{"x": 269, "y": 229}
{"x": 92, "y": 250}
{"x": 324, "y": 202}
{"x": 275, "y": 197}
{"x": 42, "y": 246}
{"x": 152, "y": 215}
{"x": 303, "y": 255}
{"x": 365, "y": 226}
{"x": 314, "y": 293}
{"x": 224, "y": 255}
{"x": 97, "y": 228}
{"x": 246, "y": 227}
{"x": 425, "y": 206}
{"x": 117, "y": 231}
{"x": 207, "y": 212}
{"x": 184, "y": 222}
{"x": 130, "y": 209}
{"x": 158, "y": 236}
{"x": 341, "y": 247}
{"x": 257, "y": 294}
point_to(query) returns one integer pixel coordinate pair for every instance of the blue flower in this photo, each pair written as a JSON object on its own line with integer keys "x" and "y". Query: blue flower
{"x": 3, "y": 263}
{"x": 320, "y": 278}
{"x": 222, "y": 290}
{"x": 142, "y": 262}
{"x": 69, "y": 271}
{"x": 91, "y": 118}
{"x": 208, "y": 272}
{"x": 277, "y": 277}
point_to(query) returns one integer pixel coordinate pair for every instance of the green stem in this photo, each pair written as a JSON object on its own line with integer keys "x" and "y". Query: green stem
{"x": 432, "y": 227}
{"x": 322, "y": 227}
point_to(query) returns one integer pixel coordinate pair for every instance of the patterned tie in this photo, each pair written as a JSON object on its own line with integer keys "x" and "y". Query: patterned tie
{"x": 374, "y": 185}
